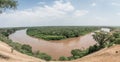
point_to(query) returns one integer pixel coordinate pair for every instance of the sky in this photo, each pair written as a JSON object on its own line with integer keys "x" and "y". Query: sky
{"x": 62, "y": 13}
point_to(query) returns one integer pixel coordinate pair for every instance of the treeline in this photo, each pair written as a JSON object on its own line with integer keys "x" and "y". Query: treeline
{"x": 59, "y": 32}
{"x": 103, "y": 40}
{"x": 23, "y": 48}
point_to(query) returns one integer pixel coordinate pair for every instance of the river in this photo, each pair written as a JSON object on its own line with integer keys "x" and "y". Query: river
{"x": 53, "y": 48}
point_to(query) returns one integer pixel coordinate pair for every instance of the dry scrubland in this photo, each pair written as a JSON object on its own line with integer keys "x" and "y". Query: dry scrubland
{"x": 111, "y": 54}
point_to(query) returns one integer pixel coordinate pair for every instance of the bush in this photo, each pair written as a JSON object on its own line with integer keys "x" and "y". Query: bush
{"x": 42, "y": 56}
{"x": 77, "y": 53}
{"x": 117, "y": 41}
{"x": 71, "y": 58}
{"x": 116, "y": 34}
{"x": 93, "y": 48}
{"x": 16, "y": 46}
{"x": 5, "y": 33}
{"x": 27, "y": 48}
{"x": 62, "y": 58}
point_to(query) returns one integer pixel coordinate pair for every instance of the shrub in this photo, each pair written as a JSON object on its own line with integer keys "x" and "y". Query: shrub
{"x": 93, "y": 48}
{"x": 5, "y": 33}
{"x": 62, "y": 58}
{"x": 42, "y": 56}
{"x": 77, "y": 53}
{"x": 117, "y": 41}
{"x": 27, "y": 48}
{"x": 71, "y": 58}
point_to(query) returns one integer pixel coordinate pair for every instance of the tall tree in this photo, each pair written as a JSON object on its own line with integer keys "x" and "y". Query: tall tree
{"x": 7, "y": 4}
{"x": 101, "y": 38}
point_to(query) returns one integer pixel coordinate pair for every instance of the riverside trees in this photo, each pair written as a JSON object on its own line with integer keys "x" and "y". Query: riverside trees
{"x": 59, "y": 32}
{"x": 23, "y": 48}
{"x": 102, "y": 38}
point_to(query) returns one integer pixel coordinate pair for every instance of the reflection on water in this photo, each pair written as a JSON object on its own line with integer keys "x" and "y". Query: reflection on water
{"x": 54, "y": 48}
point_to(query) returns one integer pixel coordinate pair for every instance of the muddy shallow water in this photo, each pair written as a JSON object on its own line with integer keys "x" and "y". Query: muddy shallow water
{"x": 54, "y": 48}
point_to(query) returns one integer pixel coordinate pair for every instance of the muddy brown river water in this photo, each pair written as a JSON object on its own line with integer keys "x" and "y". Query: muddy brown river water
{"x": 54, "y": 48}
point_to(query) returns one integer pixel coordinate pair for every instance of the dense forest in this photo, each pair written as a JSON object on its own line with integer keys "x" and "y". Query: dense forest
{"x": 59, "y": 32}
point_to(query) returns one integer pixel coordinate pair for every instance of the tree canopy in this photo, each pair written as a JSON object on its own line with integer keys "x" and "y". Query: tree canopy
{"x": 7, "y": 4}
{"x": 101, "y": 38}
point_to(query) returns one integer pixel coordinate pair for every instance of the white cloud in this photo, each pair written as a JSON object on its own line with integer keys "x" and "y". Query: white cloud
{"x": 46, "y": 15}
{"x": 118, "y": 14}
{"x": 115, "y": 4}
{"x": 41, "y": 3}
{"x": 63, "y": 6}
{"x": 93, "y": 4}
{"x": 80, "y": 12}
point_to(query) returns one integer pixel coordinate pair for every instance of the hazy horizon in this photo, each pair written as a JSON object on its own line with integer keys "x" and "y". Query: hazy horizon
{"x": 62, "y": 13}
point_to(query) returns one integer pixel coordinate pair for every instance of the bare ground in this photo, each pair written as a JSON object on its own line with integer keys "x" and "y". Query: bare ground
{"x": 7, "y": 56}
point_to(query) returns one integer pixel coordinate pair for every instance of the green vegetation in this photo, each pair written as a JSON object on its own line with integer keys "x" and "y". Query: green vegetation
{"x": 42, "y": 56}
{"x": 59, "y": 32}
{"x": 93, "y": 48}
{"x": 116, "y": 37}
{"x": 25, "y": 49}
{"x": 7, "y": 4}
{"x": 63, "y": 58}
{"x": 77, "y": 53}
{"x": 103, "y": 39}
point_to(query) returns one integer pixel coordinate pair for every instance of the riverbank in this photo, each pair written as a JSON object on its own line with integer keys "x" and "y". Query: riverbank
{"x": 54, "y": 49}
{"x": 7, "y": 56}
{"x": 104, "y": 55}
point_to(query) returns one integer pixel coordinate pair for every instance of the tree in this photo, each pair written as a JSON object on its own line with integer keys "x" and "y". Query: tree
{"x": 27, "y": 48}
{"x": 101, "y": 38}
{"x": 62, "y": 58}
{"x": 116, "y": 34}
{"x": 41, "y": 55}
{"x": 93, "y": 48}
{"x": 117, "y": 41}
{"x": 7, "y": 4}
{"x": 116, "y": 37}
{"x": 77, "y": 53}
